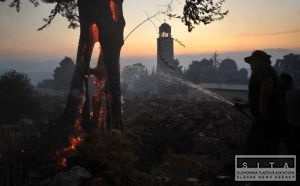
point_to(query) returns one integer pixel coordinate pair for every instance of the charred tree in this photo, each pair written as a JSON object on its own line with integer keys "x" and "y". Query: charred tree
{"x": 103, "y": 22}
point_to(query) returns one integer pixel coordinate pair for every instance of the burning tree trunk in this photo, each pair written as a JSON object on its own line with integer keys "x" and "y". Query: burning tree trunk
{"x": 103, "y": 21}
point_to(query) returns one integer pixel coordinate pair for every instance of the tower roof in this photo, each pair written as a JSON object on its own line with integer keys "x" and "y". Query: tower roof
{"x": 165, "y": 25}
{"x": 165, "y": 28}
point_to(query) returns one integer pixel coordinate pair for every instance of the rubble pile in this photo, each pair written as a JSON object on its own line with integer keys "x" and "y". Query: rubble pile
{"x": 180, "y": 142}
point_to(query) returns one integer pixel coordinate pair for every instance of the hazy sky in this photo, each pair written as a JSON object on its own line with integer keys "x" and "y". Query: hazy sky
{"x": 251, "y": 24}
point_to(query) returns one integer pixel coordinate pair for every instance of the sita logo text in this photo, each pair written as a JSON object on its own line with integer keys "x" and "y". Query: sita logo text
{"x": 265, "y": 168}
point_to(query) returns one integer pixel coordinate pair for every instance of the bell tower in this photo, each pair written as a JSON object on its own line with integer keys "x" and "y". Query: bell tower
{"x": 165, "y": 48}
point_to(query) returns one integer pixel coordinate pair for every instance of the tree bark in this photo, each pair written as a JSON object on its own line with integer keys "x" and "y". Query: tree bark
{"x": 107, "y": 15}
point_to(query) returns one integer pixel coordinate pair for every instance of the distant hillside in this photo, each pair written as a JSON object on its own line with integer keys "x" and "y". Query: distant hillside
{"x": 36, "y": 71}
{"x": 40, "y": 70}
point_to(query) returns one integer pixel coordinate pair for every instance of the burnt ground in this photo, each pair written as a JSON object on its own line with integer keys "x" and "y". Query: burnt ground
{"x": 191, "y": 127}
{"x": 183, "y": 142}
{"x": 187, "y": 126}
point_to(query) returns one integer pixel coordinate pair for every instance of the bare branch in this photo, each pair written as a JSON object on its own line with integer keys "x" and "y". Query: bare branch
{"x": 179, "y": 42}
{"x": 148, "y": 19}
{"x": 151, "y": 21}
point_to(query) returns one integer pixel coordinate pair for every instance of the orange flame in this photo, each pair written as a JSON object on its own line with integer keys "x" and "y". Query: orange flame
{"x": 114, "y": 10}
{"x": 99, "y": 102}
{"x": 61, "y": 155}
{"x": 74, "y": 141}
{"x": 94, "y": 32}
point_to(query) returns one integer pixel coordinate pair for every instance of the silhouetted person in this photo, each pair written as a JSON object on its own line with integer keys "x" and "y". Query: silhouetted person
{"x": 293, "y": 114}
{"x": 267, "y": 105}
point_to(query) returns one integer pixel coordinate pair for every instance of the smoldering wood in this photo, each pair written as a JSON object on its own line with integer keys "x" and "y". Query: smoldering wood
{"x": 103, "y": 22}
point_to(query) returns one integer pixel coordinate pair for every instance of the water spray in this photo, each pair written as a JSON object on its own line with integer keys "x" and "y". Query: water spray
{"x": 170, "y": 78}
{"x": 207, "y": 92}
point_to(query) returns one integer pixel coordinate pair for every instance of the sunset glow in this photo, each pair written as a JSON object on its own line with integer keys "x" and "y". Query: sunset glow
{"x": 249, "y": 25}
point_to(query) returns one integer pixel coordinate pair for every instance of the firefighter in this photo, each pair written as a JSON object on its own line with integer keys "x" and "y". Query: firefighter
{"x": 267, "y": 105}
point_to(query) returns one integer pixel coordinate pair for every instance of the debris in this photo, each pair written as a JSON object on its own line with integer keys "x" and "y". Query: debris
{"x": 72, "y": 177}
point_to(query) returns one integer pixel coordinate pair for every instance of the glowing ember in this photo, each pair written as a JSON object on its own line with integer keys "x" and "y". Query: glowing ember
{"x": 95, "y": 32}
{"x": 99, "y": 103}
{"x": 74, "y": 141}
{"x": 114, "y": 10}
{"x": 102, "y": 117}
{"x": 77, "y": 126}
{"x": 62, "y": 162}
{"x": 61, "y": 155}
